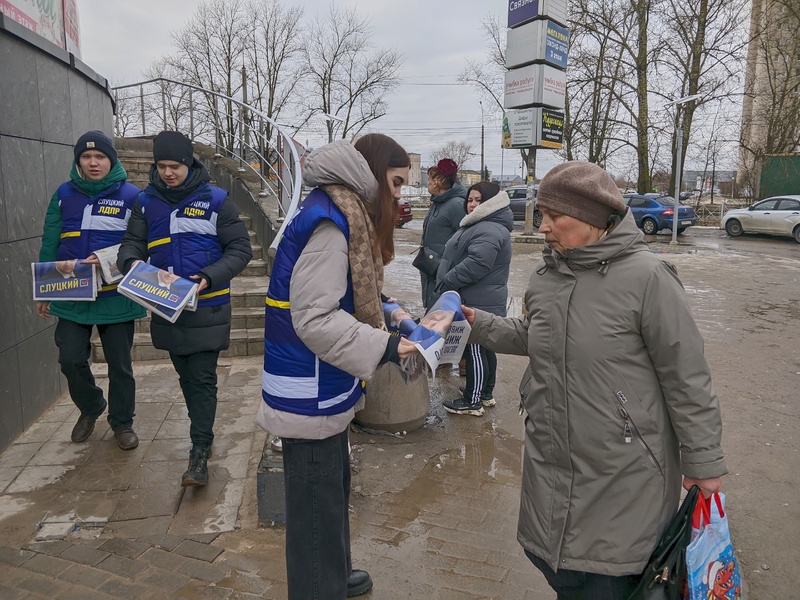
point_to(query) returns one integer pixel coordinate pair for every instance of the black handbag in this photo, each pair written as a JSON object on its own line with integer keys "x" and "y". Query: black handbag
{"x": 664, "y": 578}
{"x": 427, "y": 261}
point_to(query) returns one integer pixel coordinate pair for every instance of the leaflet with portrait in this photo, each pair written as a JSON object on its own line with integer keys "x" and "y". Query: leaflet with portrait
{"x": 64, "y": 280}
{"x": 158, "y": 290}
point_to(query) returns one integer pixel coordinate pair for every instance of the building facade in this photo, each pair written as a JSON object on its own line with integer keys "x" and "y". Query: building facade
{"x": 771, "y": 105}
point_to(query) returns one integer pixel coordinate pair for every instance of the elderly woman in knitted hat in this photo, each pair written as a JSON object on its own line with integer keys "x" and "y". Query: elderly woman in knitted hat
{"x": 442, "y": 221}
{"x": 620, "y": 407}
{"x": 87, "y": 213}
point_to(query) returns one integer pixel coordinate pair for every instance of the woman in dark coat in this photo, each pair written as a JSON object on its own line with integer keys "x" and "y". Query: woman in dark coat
{"x": 441, "y": 222}
{"x": 476, "y": 264}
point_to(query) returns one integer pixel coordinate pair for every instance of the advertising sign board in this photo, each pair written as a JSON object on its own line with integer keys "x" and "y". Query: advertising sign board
{"x": 43, "y": 18}
{"x": 535, "y": 84}
{"x": 536, "y": 127}
{"x": 522, "y": 11}
{"x": 537, "y": 41}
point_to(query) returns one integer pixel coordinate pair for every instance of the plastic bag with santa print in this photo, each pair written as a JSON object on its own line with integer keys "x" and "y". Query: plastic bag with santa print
{"x": 712, "y": 566}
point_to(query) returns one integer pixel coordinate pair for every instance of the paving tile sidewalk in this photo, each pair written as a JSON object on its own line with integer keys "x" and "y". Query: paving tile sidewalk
{"x": 117, "y": 524}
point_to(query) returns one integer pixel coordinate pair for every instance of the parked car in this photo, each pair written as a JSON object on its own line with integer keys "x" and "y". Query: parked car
{"x": 654, "y": 214}
{"x": 779, "y": 215}
{"x": 518, "y": 196}
{"x": 404, "y": 214}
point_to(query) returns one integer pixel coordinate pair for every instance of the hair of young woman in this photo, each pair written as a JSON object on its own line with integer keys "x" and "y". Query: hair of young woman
{"x": 383, "y": 153}
{"x": 445, "y": 181}
{"x": 486, "y": 189}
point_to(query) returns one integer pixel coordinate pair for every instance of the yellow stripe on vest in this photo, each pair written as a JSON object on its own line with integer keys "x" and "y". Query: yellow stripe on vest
{"x": 70, "y": 234}
{"x": 213, "y": 294}
{"x": 277, "y": 303}
{"x": 108, "y": 288}
{"x": 155, "y": 243}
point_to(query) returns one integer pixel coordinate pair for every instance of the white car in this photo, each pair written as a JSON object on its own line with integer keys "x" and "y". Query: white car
{"x": 779, "y": 215}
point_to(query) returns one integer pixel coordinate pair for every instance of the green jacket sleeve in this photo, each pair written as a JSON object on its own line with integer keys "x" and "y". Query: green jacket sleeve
{"x": 51, "y": 236}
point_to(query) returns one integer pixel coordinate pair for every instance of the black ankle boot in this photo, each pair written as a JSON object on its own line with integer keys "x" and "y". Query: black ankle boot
{"x": 197, "y": 473}
{"x": 358, "y": 582}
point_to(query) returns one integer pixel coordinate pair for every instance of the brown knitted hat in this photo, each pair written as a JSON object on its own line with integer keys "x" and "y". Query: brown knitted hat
{"x": 582, "y": 190}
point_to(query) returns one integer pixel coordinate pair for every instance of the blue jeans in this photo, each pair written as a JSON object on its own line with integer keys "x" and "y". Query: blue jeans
{"x": 577, "y": 585}
{"x": 316, "y": 476}
{"x": 74, "y": 348}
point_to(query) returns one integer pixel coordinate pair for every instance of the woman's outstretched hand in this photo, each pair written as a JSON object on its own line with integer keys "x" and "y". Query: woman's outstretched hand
{"x": 406, "y": 348}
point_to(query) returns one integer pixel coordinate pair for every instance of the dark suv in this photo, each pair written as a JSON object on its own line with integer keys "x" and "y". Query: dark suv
{"x": 518, "y": 194}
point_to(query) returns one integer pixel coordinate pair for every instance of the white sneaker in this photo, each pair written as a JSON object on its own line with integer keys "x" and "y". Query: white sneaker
{"x": 489, "y": 402}
{"x": 276, "y": 444}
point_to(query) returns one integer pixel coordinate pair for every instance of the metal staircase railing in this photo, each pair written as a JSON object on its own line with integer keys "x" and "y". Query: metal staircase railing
{"x": 236, "y": 130}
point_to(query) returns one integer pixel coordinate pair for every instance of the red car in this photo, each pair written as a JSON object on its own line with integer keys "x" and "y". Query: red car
{"x": 403, "y": 212}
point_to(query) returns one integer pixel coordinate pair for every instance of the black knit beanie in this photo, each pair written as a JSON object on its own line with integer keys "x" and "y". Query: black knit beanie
{"x": 95, "y": 140}
{"x": 173, "y": 145}
{"x": 581, "y": 190}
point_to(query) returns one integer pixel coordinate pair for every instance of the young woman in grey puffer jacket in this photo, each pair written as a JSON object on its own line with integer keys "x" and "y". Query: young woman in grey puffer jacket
{"x": 476, "y": 264}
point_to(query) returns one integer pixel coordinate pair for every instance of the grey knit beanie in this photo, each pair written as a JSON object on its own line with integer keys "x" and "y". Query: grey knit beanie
{"x": 581, "y": 190}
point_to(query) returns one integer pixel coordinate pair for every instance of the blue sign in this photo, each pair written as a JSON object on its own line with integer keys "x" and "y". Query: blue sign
{"x": 556, "y": 45}
{"x": 520, "y": 11}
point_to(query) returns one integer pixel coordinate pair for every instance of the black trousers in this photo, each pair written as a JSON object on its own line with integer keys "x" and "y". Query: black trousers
{"x": 481, "y": 373}
{"x": 316, "y": 476}
{"x": 577, "y": 585}
{"x": 74, "y": 349}
{"x": 198, "y": 378}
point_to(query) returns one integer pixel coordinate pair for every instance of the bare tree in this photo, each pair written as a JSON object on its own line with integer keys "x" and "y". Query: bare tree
{"x": 273, "y": 55}
{"x": 348, "y": 80}
{"x": 458, "y": 151}
{"x": 210, "y": 54}
{"x": 596, "y": 122}
{"x": 703, "y": 54}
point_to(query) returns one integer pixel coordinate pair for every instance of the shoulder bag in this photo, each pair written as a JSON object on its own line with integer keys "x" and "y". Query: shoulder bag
{"x": 665, "y": 577}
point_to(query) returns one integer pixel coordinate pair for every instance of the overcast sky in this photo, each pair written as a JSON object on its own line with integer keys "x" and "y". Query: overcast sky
{"x": 121, "y": 39}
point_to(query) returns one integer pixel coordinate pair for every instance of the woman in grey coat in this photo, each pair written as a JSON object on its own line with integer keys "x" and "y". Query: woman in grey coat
{"x": 620, "y": 406}
{"x": 442, "y": 221}
{"x": 475, "y": 264}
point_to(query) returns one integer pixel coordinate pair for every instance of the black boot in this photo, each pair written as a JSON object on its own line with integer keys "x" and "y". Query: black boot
{"x": 197, "y": 473}
{"x": 358, "y": 582}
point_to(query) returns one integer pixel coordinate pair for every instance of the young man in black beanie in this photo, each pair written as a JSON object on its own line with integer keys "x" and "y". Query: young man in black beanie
{"x": 87, "y": 213}
{"x": 186, "y": 226}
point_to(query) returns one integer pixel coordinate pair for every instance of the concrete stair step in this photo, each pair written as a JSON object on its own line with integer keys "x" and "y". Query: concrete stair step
{"x": 257, "y": 267}
{"x": 241, "y": 318}
{"x": 244, "y": 342}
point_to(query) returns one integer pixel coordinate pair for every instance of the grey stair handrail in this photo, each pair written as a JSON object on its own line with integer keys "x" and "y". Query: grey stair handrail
{"x": 292, "y": 185}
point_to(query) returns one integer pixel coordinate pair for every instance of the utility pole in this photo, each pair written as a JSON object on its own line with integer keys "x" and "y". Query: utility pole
{"x": 531, "y": 191}
{"x": 483, "y": 163}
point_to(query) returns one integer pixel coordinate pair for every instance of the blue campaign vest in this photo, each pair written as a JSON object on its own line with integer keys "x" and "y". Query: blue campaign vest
{"x": 295, "y": 380}
{"x": 91, "y": 223}
{"x": 182, "y": 238}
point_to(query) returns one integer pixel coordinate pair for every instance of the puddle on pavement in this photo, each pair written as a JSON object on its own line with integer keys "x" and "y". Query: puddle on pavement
{"x": 493, "y": 457}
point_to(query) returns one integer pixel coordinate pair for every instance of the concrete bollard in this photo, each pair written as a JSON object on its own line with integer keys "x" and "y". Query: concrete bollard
{"x": 394, "y": 404}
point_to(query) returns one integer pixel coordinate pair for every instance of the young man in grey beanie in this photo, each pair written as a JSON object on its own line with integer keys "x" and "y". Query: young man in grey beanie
{"x": 620, "y": 407}
{"x": 184, "y": 225}
{"x": 87, "y": 213}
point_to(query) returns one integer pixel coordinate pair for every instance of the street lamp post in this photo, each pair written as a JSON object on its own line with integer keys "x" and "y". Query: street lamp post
{"x": 679, "y": 150}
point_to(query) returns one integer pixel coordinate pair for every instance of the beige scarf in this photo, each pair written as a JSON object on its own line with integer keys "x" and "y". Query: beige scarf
{"x": 366, "y": 263}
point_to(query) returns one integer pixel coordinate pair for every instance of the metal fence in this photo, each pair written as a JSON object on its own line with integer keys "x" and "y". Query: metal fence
{"x": 230, "y": 126}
